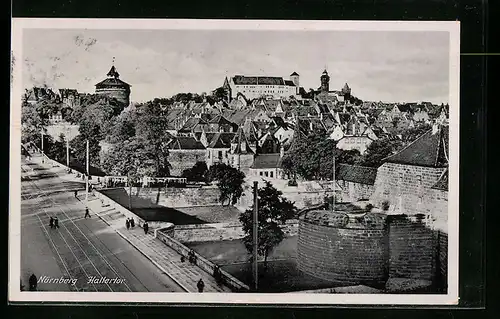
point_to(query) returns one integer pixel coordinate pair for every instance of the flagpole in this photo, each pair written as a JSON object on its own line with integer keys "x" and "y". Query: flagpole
{"x": 87, "y": 175}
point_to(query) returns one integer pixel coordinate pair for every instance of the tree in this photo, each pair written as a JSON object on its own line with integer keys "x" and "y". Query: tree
{"x": 57, "y": 149}
{"x": 412, "y": 134}
{"x": 229, "y": 180}
{"x": 32, "y": 124}
{"x": 273, "y": 211}
{"x": 311, "y": 157}
{"x": 197, "y": 173}
{"x": 380, "y": 149}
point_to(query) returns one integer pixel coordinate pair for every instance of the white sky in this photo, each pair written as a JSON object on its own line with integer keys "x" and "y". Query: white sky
{"x": 377, "y": 65}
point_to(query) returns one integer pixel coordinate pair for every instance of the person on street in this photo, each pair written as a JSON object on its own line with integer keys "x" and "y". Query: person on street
{"x": 127, "y": 223}
{"x": 87, "y": 212}
{"x": 200, "y": 285}
{"x": 33, "y": 281}
{"x": 56, "y": 222}
{"x": 146, "y": 228}
{"x": 132, "y": 223}
{"x": 51, "y": 222}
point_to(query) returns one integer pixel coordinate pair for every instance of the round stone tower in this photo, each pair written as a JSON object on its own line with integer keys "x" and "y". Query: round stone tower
{"x": 113, "y": 87}
{"x": 341, "y": 246}
{"x": 325, "y": 82}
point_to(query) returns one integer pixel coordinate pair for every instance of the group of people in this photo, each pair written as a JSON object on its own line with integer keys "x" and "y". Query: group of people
{"x": 54, "y": 222}
{"x": 130, "y": 223}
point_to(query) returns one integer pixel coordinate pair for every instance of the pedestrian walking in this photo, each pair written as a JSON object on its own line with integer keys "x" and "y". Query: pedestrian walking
{"x": 51, "y": 222}
{"x": 132, "y": 223}
{"x": 200, "y": 285}
{"x": 127, "y": 223}
{"x": 33, "y": 281}
{"x": 56, "y": 222}
{"x": 146, "y": 228}
{"x": 87, "y": 212}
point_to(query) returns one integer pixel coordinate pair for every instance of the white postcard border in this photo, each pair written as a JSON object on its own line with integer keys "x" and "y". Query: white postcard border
{"x": 451, "y": 298}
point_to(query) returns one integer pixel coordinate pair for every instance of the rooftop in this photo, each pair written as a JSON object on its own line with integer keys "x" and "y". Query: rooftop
{"x": 263, "y": 161}
{"x": 356, "y": 174}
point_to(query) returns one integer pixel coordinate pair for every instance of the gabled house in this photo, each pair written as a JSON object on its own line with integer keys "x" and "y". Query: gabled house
{"x": 218, "y": 149}
{"x": 268, "y": 166}
{"x": 241, "y": 154}
{"x": 184, "y": 152}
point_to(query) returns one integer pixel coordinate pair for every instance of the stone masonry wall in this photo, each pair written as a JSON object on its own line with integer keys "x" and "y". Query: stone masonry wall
{"x": 221, "y": 231}
{"x": 337, "y": 254}
{"x": 406, "y": 187}
{"x": 413, "y": 250}
{"x": 184, "y": 159}
{"x": 352, "y": 192}
{"x": 180, "y": 197}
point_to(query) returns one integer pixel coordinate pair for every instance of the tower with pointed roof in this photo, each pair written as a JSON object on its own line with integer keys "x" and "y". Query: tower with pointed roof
{"x": 113, "y": 87}
{"x": 325, "y": 82}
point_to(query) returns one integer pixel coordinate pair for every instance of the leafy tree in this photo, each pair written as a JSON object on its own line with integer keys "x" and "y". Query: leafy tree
{"x": 32, "y": 124}
{"x": 380, "y": 149}
{"x": 412, "y": 134}
{"x": 151, "y": 127}
{"x": 229, "y": 180}
{"x": 123, "y": 127}
{"x": 273, "y": 211}
{"x": 57, "y": 149}
{"x": 79, "y": 147}
{"x": 197, "y": 173}
{"x": 311, "y": 157}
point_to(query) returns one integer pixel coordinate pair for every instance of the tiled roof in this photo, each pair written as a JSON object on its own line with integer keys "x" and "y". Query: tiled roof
{"x": 191, "y": 123}
{"x": 356, "y": 174}
{"x": 442, "y": 183}
{"x": 221, "y": 140}
{"x": 267, "y": 161}
{"x": 185, "y": 143}
{"x": 430, "y": 150}
{"x": 112, "y": 82}
{"x": 294, "y": 74}
{"x": 239, "y": 139}
{"x": 258, "y": 80}
{"x": 289, "y": 83}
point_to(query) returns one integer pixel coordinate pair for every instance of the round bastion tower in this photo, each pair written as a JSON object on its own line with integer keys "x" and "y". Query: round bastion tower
{"x": 113, "y": 87}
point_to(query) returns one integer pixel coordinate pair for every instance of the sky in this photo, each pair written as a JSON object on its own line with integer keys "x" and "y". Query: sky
{"x": 389, "y": 66}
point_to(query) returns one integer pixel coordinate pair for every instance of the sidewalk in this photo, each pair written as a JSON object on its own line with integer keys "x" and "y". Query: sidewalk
{"x": 165, "y": 258}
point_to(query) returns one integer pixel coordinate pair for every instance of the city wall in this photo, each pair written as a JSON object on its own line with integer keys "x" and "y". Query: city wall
{"x": 179, "y": 197}
{"x": 221, "y": 231}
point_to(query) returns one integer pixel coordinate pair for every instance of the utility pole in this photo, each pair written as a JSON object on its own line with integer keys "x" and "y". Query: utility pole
{"x": 43, "y": 154}
{"x": 87, "y": 175}
{"x": 255, "y": 235}
{"x": 67, "y": 149}
{"x": 129, "y": 192}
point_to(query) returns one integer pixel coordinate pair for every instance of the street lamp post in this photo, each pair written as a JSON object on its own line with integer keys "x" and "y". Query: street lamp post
{"x": 43, "y": 154}
{"x": 255, "y": 235}
{"x": 87, "y": 175}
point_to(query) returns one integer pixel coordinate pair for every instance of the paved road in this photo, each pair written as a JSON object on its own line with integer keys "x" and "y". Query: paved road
{"x": 80, "y": 248}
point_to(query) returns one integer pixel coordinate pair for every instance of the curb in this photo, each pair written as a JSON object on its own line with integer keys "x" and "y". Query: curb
{"x": 144, "y": 254}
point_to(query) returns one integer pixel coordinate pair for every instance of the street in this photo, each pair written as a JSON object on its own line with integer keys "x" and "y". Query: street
{"x": 81, "y": 248}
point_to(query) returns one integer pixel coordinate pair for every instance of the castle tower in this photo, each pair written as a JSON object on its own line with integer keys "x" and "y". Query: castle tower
{"x": 294, "y": 77}
{"x": 113, "y": 87}
{"x": 325, "y": 82}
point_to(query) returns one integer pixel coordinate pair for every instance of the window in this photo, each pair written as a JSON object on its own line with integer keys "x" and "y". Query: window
{"x": 266, "y": 174}
{"x": 260, "y": 173}
{"x": 271, "y": 174}
{"x": 220, "y": 154}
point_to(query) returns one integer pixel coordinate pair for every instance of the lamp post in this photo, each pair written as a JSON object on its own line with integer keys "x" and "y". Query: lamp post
{"x": 87, "y": 175}
{"x": 255, "y": 235}
{"x": 43, "y": 154}
{"x": 67, "y": 147}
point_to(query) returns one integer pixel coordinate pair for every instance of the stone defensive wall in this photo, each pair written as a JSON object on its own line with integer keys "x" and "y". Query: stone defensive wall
{"x": 371, "y": 248}
{"x": 179, "y": 197}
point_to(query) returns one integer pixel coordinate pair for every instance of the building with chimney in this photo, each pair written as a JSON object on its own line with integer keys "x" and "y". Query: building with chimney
{"x": 113, "y": 87}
